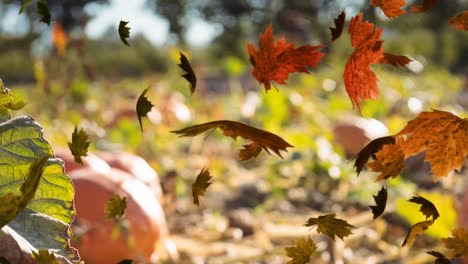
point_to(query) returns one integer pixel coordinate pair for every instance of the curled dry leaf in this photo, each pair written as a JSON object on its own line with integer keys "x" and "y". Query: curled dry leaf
{"x": 395, "y": 60}
{"x": 460, "y": 21}
{"x": 202, "y": 182}
{"x": 143, "y": 106}
{"x": 124, "y": 32}
{"x": 426, "y": 5}
{"x": 440, "y": 258}
{"x": 369, "y": 151}
{"x": 458, "y": 244}
{"x": 442, "y": 135}
{"x": 273, "y": 61}
{"x": 360, "y": 81}
{"x": 301, "y": 252}
{"x": 339, "y": 25}
{"x": 189, "y": 75}
{"x": 381, "y": 202}
{"x": 427, "y": 207}
{"x": 416, "y": 229}
{"x": 261, "y": 139}
{"x": 330, "y": 225}
{"x": 391, "y": 8}
{"x": 389, "y": 160}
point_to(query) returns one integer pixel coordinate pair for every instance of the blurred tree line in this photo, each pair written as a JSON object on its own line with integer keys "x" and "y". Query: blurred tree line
{"x": 427, "y": 34}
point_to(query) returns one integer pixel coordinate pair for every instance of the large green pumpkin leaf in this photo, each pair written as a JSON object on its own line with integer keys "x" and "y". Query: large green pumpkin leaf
{"x": 45, "y": 223}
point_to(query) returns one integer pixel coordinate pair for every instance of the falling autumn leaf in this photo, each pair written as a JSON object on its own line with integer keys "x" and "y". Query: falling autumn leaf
{"x": 369, "y": 151}
{"x": 143, "y": 107}
{"x": 43, "y": 256}
{"x": 43, "y": 12}
{"x": 339, "y": 25}
{"x": 427, "y": 207}
{"x": 202, "y": 182}
{"x": 381, "y": 201}
{"x": 189, "y": 75}
{"x": 395, "y": 60}
{"x": 391, "y": 8}
{"x": 458, "y": 244}
{"x": 389, "y": 161}
{"x": 301, "y": 252}
{"x": 273, "y": 61}
{"x": 261, "y": 139}
{"x": 360, "y": 81}
{"x": 416, "y": 229}
{"x": 24, "y": 4}
{"x": 59, "y": 39}
{"x": 79, "y": 145}
{"x": 124, "y": 32}
{"x": 440, "y": 258}
{"x": 426, "y": 5}
{"x": 330, "y": 225}
{"x": 115, "y": 207}
{"x": 442, "y": 135}
{"x": 460, "y": 21}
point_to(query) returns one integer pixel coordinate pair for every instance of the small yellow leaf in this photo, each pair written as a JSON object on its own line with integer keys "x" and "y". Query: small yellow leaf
{"x": 115, "y": 207}
{"x": 79, "y": 145}
{"x": 43, "y": 256}
{"x": 458, "y": 243}
{"x": 416, "y": 229}
{"x": 301, "y": 252}
{"x": 202, "y": 182}
{"x": 331, "y": 226}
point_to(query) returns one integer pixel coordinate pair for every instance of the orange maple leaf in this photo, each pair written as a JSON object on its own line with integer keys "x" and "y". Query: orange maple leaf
{"x": 391, "y": 8}
{"x": 59, "y": 38}
{"x": 460, "y": 21}
{"x": 360, "y": 81}
{"x": 274, "y": 61}
{"x": 427, "y": 4}
{"x": 442, "y": 135}
{"x": 389, "y": 160}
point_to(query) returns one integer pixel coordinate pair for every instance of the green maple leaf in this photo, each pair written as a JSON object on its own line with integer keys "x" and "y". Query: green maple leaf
{"x": 79, "y": 145}
{"x": 124, "y": 31}
{"x": 43, "y": 256}
{"x": 115, "y": 207}
{"x": 189, "y": 75}
{"x": 12, "y": 204}
{"x": 200, "y": 185}
{"x": 330, "y": 226}
{"x": 43, "y": 12}
{"x": 301, "y": 252}
{"x": 143, "y": 107}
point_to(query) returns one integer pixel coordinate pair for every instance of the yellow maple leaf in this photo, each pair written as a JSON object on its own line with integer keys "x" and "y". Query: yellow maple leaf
{"x": 389, "y": 161}
{"x": 442, "y": 135}
{"x": 301, "y": 252}
{"x": 416, "y": 229}
{"x": 458, "y": 243}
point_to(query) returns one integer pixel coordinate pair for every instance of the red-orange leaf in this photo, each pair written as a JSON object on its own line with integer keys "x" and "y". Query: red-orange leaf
{"x": 261, "y": 139}
{"x": 59, "y": 39}
{"x": 273, "y": 61}
{"x": 391, "y": 8}
{"x": 395, "y": 60}
{"x": 360, "y": 81}
{"x": 339, "y": 25}
{"x": 460, "y": 21}
{"x": 442, "y": 135}
{"x": 427, "y": 4}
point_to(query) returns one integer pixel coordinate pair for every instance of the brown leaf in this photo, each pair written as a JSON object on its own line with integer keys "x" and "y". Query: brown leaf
{"x": 460, "y": 21}
{"x": 426, "y": 5}
{"x": 440, "y": 258}
{"x": 389, "y": 160}
{"x": 369, "y": 151}
{"x": 381, "y": 202}
{"x": 190, "y": 74}
{"x": 442, "y": 135}
{"x": 262, "y": 139}
{"x": 331, "y": 226}
{"x": 301, "y": 252}
{"x": 458, "y": 243}
{"x": 391, "y": 8}
{"x": 395, "y": 60}
{"x": 202, "y": 182}
{"x": 427, "y": 207}
{"x": 416, "y": 229}
{"x": 339, "y": 25}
